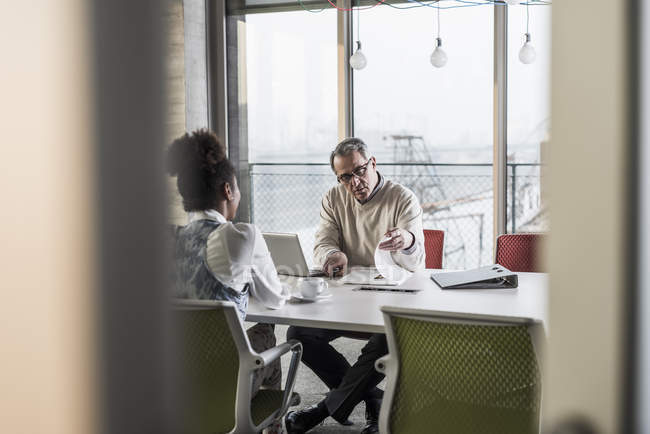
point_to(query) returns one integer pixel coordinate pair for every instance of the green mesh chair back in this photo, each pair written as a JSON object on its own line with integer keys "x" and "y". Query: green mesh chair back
{"x": 210, "y": 362}
{"x": 462, "y": 378}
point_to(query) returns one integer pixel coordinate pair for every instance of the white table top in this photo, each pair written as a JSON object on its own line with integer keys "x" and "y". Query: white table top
{"x": 350, "y": 309}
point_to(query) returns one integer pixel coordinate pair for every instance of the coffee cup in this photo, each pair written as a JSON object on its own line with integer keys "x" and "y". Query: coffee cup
{"x": 311, "y": 287}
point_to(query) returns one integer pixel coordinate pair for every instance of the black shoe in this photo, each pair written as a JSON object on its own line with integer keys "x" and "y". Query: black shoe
{"x": 372, "y": 416}
{"x": 301, "y": 421}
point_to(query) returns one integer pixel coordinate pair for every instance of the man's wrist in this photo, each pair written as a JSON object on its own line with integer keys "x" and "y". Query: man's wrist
{"x": 331, "y": 252}
{"x": 410, "y": 249}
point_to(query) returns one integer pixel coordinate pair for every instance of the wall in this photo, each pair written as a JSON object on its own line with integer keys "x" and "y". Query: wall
{"x": 186, "y": 81}
{"x": 46, "y": 219}
{"x": 176, "y": 93}
{"x": 587, "y": 254}
{"x": 196, "y": 85}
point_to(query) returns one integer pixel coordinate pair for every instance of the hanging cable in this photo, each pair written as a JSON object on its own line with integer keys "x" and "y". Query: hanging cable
{"x": 379, "y": 2}
{"x": 464, "y": 5}
{"x": 538, "y": 3}
{"x": 314, "y": 11}
{"x": 358, "y": 21}
{"x": 406, "y": 7}
{"x": 438, "y": 21}
{"x": 431, "y": 4}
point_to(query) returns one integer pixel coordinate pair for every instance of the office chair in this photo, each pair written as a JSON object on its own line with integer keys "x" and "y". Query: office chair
{"x": 434, "y": 241}
{"x": 216, "y": 364}
{"x": 459, "y": 374}
{"x": 519, "y": 252}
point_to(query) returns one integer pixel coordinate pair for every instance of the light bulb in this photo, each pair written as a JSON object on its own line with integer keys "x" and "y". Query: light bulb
{"x": 438, "y": 57}
{"x": 527, "y": 53}
{"x": 358, "y": 59}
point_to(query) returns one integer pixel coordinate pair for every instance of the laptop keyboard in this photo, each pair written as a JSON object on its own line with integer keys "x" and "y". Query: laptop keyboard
{"x": 315, "y": 272}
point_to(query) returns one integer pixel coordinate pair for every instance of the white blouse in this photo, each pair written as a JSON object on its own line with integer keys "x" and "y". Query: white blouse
{"x": 237, "y": 254}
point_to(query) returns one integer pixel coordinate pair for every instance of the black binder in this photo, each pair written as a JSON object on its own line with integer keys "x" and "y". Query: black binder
{"x": 490, "y": 277}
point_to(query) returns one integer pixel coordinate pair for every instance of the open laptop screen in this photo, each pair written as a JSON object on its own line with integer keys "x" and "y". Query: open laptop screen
{"x": 286, "y": 253}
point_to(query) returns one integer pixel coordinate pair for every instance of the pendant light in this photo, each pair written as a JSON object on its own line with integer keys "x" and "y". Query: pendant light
{"x": 527, "y": 52}
{"x": 438, "y": 57}
{"x": 358, "y": 59}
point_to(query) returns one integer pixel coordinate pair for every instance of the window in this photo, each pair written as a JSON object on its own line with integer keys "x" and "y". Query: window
{"x": 528, "y": 118}
{"x": 292, "y": 116}
{"x": 291, "y": 86}
{"x": 430, "y": 129}
{"x": 410, "y": 112}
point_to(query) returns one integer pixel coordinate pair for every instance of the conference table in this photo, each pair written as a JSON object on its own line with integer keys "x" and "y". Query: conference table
{"x": 355, "y": 310}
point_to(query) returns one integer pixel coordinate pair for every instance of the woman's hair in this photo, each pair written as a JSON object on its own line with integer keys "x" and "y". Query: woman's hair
{"x": 200, "y": 163}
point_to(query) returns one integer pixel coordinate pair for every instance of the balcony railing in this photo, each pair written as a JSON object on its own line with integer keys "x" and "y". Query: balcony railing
{"x": 456, "y": 198}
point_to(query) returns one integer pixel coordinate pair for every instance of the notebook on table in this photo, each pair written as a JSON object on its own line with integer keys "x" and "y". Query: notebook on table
{"x": 489, "y": 277}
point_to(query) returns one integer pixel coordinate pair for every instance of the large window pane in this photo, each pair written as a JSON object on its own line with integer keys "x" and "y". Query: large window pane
{"x": 291, "y": 86}
{"x": 528, "y": 118}
{"x": 292, "y": 118}
{"x": 287, "y": 198}
{"x": 410, "y": 112}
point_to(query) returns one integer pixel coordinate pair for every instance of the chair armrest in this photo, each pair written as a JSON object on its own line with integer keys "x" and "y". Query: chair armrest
{"x": 381, "y": 364}
{"x": 296, "y": 349}
{"x": 268, "y": 356}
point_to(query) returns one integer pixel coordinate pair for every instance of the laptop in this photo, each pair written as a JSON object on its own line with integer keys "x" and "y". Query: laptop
{"x": 287, "y": 255}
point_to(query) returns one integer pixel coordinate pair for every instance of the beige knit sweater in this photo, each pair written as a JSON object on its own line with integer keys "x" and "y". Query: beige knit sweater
{"x": 355, "y": 228}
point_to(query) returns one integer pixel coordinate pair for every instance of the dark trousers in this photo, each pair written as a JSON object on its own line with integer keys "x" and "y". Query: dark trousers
{"x": 349, "y": 385}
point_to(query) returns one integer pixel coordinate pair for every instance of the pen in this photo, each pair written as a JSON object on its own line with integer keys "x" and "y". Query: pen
{"x": 406, "y": 290}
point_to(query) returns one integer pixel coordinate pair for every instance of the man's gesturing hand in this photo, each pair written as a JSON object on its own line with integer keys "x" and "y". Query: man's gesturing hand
{"x": 336, "y": 264}
{"x": 399, "y": 239}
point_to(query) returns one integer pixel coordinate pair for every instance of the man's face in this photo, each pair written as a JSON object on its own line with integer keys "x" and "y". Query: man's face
{"x": 357, "y": 174}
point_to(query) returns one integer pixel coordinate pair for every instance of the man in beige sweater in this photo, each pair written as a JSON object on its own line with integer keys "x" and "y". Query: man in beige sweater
{"x": 356, "y": 215}
{"x": 363, "y": 209}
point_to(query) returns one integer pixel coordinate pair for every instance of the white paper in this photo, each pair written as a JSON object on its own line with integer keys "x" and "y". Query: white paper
{"x": 365, "y": 276}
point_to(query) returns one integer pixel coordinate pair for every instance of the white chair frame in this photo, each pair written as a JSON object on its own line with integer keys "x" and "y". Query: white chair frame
{"x": 249, "y": 362}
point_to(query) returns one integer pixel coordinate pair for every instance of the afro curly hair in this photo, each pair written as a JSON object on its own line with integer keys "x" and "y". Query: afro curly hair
{"x": 199, "y": 162}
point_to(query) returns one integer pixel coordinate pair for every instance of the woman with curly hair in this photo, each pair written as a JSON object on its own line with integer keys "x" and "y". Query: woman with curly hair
{"x": 216, "y": 259}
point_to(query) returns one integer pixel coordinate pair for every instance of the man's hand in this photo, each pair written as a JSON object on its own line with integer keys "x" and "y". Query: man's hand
{"x": 336, "y": 264}
{"x": 399, "y": 239}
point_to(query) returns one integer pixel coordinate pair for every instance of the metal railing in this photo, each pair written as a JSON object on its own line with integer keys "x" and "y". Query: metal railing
{"x": 456, "y": 198}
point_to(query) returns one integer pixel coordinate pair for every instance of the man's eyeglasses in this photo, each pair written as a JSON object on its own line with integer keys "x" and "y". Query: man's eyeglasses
{"x": 358, "y": 171}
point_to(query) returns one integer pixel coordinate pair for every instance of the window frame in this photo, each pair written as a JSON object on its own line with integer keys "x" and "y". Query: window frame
{"x": 220, "y": 58}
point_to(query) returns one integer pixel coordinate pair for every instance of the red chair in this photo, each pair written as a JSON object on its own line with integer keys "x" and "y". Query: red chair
{"x": 433, "y": 243}
{"x": 519, "y": 252}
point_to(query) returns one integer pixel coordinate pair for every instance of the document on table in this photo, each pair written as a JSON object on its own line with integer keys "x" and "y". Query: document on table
{"x": 385, "y": 272}
{"x": 370, "y": 276}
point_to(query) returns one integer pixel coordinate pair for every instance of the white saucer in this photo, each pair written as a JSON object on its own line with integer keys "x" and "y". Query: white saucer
{"x": 323, "y": 295}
